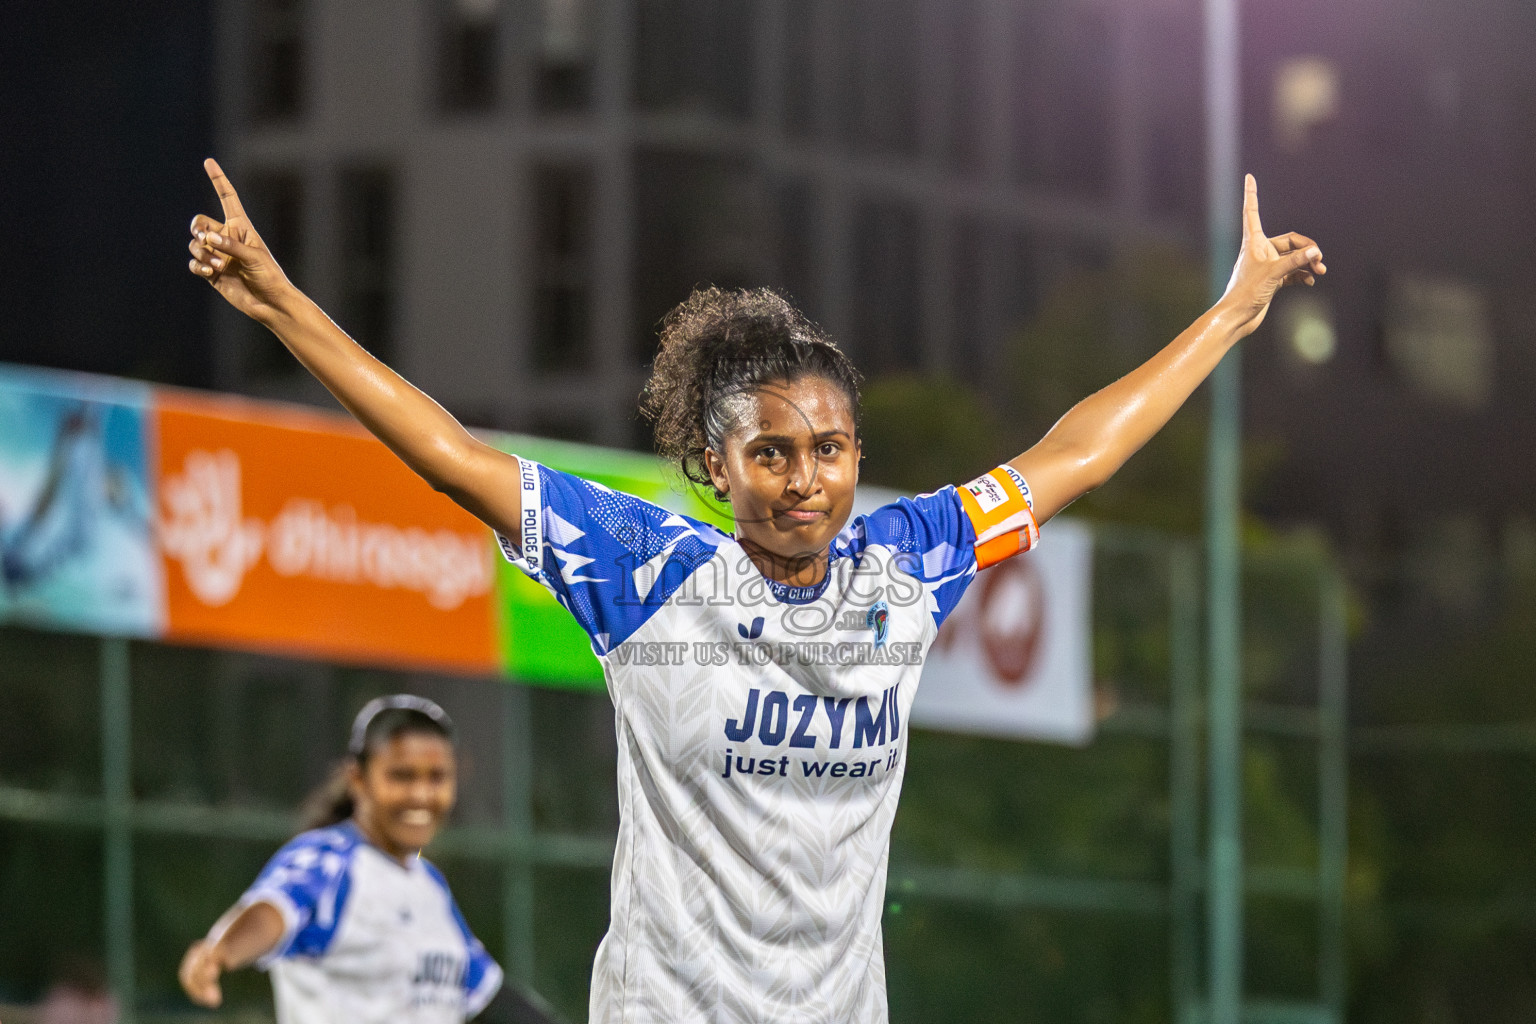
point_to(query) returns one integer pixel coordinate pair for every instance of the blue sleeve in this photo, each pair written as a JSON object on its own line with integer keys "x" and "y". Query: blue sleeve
{"x": 611, "y": 559}
{"x": 930, "y": 538}
{"x": 482, "y": 975}
{"x": 307, "y": 881}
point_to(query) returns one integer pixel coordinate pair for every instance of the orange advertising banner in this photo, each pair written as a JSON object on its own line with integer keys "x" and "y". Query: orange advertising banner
{"x": 286, "y": 530}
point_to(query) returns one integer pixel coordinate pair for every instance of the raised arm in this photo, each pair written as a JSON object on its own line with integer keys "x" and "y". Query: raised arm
{"x": 232, "y": 257}
{"x": 1098, "y": 435}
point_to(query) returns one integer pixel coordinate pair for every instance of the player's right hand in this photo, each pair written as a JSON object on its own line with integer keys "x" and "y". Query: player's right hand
{"x": 199, "y": 974}
{"x": 231, "y": 256}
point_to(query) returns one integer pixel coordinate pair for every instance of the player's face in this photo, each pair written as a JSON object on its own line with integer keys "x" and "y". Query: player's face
{"x": 789, "y": 469}
{"x": 404, "y": 791}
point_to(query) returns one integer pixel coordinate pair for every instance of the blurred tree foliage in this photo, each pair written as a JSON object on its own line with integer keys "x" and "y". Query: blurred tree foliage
{"x": 922, "y": 431}
{"x": 1094, "y": 326}
{"x": 1453, "y": 935}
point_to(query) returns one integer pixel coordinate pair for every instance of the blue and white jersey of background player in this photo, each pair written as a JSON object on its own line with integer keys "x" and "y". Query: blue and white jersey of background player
{"x": 761, "y": 737}
{"x": 367, "y": 939}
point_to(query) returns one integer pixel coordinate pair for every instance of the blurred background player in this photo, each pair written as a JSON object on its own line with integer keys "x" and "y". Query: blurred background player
{"x": 349, "y": 919}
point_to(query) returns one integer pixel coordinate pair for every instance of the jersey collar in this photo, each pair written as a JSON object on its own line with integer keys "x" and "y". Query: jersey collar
{"x": 786, "y": 594}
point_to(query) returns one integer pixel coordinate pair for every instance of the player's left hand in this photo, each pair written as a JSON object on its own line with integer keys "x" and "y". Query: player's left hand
{"x": 1266, "y": 264}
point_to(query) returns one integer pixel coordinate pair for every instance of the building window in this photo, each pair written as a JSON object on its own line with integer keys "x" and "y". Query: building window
{"x": 366, "y": 199}
{"x": 699, "y": 219}
{"x": 275, "y": 200}
{"x": 886, "y": 286}
{"x": 998, "y": 289}
{"x": 467, "y": 37}
{"x": 1175, "y": 143}
{"x": 1438, "y": 337}
{"x": 972, "y": 359}
{"x": 966, "y": 68}
{"x": 852, "y": 72}
{"x": 562, "y": 266}
{"x": 795, "y": 246}
{"x": 695, "y": 56}
{"x": 799, "y": 74}
{"x": 277, "y": 59}
{"x": 886, "y": 55}
{"x": 563, "y": 62}
{"x": 1062, "y": 98}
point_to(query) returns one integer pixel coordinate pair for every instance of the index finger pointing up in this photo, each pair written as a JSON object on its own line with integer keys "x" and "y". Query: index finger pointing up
{"x": 1251, "y": 226}
{"x": 227, "y": 197}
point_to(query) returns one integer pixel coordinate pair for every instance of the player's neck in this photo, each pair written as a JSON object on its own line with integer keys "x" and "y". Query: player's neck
{"x": 804, "y": 570}
{"x": 379, "y": 841}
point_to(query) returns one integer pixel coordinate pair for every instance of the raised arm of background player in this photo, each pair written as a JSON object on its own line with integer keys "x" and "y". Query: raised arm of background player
{"x": 232, "y": 257}
{"x": 1095, "y": 438}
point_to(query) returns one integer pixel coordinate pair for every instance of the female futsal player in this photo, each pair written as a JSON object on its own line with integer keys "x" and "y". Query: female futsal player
{"x": 349, "y": 919}
{"x": 762, "y": 678}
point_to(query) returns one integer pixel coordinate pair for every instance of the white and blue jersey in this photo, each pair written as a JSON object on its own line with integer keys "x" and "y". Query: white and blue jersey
{"x": 367, "y": 939}
{"x": 761, "y": 738}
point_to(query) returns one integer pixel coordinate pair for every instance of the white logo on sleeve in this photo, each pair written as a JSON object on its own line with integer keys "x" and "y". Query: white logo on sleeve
{"x": 532, "y": 539}
{"x": 989, "y": 494}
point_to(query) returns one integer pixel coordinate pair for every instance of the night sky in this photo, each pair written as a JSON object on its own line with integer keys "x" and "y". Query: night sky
{"x": 106, "y": 119}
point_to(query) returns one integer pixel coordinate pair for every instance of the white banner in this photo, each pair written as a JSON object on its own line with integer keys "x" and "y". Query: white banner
{"x": 1015, "y": 659}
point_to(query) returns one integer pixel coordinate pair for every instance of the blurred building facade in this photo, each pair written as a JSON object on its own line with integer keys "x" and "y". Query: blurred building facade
{"x": 502, "y": 199}
{"x": 1391, "y": 127}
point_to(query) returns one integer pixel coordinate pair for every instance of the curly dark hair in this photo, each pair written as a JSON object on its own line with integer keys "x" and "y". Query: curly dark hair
{"x": 717, "y": 347}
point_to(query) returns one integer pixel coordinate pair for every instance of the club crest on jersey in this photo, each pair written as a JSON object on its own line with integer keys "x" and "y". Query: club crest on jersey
{"x": 753, "y": 631}
{"x": 878, "y": 618}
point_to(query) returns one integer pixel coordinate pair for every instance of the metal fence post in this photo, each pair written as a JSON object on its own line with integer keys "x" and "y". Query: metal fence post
{"x": 1184, "y": 782}
{"x": 1224, "y": 906}
{"x": 1333, "y": 790}
{"x": 517, "y": 809}
{"x": 117, "y": 825}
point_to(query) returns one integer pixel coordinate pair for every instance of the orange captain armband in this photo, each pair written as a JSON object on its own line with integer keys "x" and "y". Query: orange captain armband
{"x": 1001, "y": 509}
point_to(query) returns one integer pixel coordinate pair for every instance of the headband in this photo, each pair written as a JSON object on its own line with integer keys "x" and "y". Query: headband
{"x": 397, "y": 702}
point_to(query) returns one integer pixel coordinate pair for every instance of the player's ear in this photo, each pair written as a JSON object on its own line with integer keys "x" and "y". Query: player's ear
{"x": 355, "y": 782}
{"x": 714, "y": 465}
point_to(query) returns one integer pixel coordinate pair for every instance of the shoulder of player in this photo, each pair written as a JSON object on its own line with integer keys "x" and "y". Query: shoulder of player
{"x": 653, "y": 515}
{"x": 340, "y": 840}
{"x": 891, "y": 525}
{"x": 433, "y": 872}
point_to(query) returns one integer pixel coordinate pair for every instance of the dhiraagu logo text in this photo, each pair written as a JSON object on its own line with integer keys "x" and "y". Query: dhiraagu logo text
{"x": 204, "y": 527}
